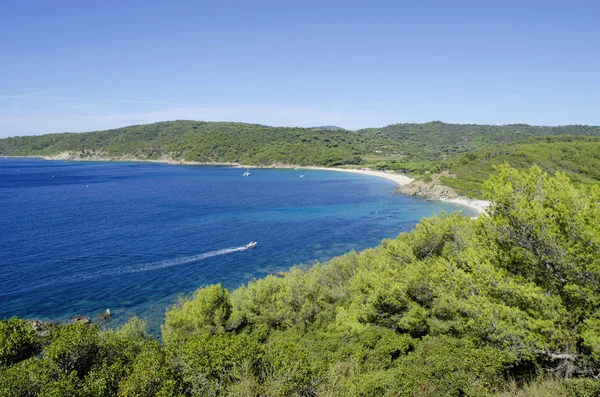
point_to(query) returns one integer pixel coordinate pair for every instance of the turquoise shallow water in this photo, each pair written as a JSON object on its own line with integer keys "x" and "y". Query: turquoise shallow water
{"x": 77, "y": 238}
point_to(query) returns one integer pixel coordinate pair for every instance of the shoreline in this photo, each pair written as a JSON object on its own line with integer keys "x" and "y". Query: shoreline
{"x": 480, "y": 206}
{"x": 400, "y": 179}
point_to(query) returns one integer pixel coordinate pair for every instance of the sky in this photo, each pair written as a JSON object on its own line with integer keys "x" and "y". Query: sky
{"x": 82, "y": 66}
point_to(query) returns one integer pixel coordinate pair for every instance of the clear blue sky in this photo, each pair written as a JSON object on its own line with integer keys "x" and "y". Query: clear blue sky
{"x": 81, "y": 66}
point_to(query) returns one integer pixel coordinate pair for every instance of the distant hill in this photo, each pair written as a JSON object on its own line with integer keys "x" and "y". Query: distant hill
{"x": 468, "y": 151}
{"x": 329, "y": 127}
{"x": 577, "y": 156}
{"x": 204, "y": 142}
{"x": 429, "y": 141}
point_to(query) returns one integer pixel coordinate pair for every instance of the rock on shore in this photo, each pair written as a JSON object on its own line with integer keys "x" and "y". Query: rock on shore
{"x": 431, "y": 190}
{"x": 42, "y": 329}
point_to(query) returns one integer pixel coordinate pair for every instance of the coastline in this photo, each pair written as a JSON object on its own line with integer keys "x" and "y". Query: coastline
{"x": 478, "y": 205}
{"x": 400, "y": 179}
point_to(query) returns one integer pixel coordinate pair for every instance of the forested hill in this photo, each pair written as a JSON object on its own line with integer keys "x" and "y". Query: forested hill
{"x": 429, "y": 141}
{"x": 264, "y": 145}
{"x": 577, "y": 156}
{"x": 205, "y": 142}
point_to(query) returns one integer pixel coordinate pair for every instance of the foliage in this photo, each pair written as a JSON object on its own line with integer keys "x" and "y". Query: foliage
{"x": 150, "y": 375}
{"x": 209, "y": 364}
{"x": 577, "y": 157}
{"x": 553, "y": 387}
{"x": 547, "y": 231}
{"x": 435, "y": 140}
{"x": 205, "y": 142}
{"x": 441, "y": 366}
{"x": 17, "y": 341}
{"x": 207, "y": 311}
{"x": 73, "y": 348}
{"x": 412, "y": 148}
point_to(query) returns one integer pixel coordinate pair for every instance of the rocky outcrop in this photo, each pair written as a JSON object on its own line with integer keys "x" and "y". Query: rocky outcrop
{"x": 91, "y": 155}
{"x": 41, "y": 329}
{"x": 84, "y": 155}
{"x": 431, "y": 189}
{"x": 81, "y": 319}
{"x": 61, "y": 156}
{"x": 104, "y": 316}
{"x": 44, "y": 329}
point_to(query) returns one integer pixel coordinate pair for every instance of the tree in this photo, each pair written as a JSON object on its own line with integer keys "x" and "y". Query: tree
{"x": 207, "y": 311}
{"x": 17, "y": 341}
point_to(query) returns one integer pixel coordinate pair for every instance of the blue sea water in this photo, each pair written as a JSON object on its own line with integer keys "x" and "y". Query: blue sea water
{"x": 78, "y": 238}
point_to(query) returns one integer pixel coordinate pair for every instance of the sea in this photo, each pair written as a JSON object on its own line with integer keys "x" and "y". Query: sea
{"x": 77, "y": 238}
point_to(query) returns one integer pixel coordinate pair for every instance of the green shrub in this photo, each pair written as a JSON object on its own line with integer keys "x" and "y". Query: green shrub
{"x": 74, "y": 347}
{"x": 17, "y": 341}
{"x": 151, "y": 375}
{"x": 207, "y": 311}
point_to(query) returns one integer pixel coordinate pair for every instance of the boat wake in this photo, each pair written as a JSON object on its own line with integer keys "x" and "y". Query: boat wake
{"x": 168, "y": 263}
{"x": 144, "y": 267}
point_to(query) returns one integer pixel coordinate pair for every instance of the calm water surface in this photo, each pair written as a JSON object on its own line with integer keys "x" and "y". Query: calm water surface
{"x": 77, "y": 238}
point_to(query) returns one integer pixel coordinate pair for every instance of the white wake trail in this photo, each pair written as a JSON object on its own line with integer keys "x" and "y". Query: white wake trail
{"x": 170, "y": 262}
{"x": 144, "y": 267}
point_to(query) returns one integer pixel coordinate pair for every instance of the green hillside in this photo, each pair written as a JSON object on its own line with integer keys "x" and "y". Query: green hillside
{"x": 507, "y": 303}
{"x": 578, "y": 158}
{"x": 430, "y": 141}
{"x": 205, "y": 142}
{"x": 264, "y": 145}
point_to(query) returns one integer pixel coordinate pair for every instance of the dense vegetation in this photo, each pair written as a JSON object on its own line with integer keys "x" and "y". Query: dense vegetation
{"x": 263, "y": 145}
{"x": 578, "y": 157}
{"x": 204, "y": 142}
{"x": 436, "y": 140}
{"x": 507, "y": 303}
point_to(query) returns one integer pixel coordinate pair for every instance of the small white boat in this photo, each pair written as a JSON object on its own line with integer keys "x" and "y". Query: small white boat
{"x": 246, "y": 173}
{"x": 251, "y": 244}
{"x": 301, "y": 176}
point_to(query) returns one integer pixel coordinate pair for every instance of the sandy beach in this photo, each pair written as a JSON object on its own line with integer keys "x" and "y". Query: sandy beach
{"x": 400, "y": 179}
{"x": 478, "y": 205}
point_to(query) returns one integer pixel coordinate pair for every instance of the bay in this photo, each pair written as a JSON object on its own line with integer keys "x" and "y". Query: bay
{"x": 81, "y": 237}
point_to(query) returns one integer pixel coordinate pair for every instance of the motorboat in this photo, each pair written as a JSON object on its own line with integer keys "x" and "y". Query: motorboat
{"x": 251, "y": 244}
{"x": 246, "y": 173}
